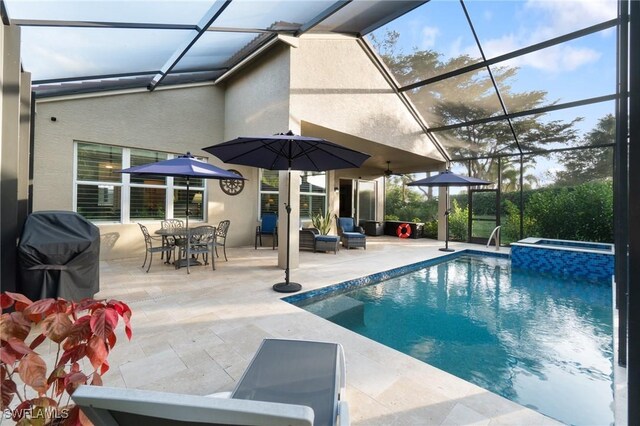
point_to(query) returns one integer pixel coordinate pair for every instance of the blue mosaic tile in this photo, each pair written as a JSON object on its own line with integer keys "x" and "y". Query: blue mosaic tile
{"x": 589, "y": 265}
{"x": 577, "y": 244}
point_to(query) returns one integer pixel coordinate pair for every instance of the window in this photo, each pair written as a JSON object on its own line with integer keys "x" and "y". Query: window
{"x": 98, "y": 188}
{"x": 269, "y": 192}
{"x": 100, "y": 191}
{"x": 313, "y": 193}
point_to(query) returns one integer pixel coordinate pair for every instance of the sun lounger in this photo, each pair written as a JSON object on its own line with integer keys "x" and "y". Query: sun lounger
{"x": 298, "y": 372}
{"x": 289, "y": 382}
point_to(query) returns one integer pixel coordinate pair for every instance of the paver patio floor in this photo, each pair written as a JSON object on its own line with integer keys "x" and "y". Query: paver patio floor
{"x": 197, "y": 333}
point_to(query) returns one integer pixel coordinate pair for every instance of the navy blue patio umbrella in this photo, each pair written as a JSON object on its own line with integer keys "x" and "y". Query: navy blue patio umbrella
{"x": 185, "y": 166}
{"x": 447, "y": 179}
{"x": 287, "y": 151}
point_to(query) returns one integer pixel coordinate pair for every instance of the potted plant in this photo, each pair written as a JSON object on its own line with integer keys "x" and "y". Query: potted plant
{"x": 322, "y": 223}
{"x": 84, "y": 333}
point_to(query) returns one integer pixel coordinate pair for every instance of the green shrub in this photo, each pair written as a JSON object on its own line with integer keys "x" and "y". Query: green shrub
{"x": 458, "y": 222}
{"x": 583, "y": 213}
{"x": 430, "y": 229}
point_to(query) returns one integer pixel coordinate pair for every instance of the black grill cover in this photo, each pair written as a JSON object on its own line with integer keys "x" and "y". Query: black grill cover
{"x": 58, "y": 256}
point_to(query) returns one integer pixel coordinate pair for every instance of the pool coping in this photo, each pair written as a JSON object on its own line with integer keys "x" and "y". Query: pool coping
{"x": 533, "y": 242}
{"x": 381, "y": 276}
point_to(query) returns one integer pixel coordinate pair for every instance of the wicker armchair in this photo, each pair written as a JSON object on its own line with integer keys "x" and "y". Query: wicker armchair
{"x": 352, "y": 236}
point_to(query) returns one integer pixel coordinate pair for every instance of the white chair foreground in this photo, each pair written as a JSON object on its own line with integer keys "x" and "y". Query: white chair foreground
{"x": 288, "y": 382}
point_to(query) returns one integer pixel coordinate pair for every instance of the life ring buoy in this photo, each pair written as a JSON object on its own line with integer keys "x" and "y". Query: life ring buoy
{"x": 404, "y": 230}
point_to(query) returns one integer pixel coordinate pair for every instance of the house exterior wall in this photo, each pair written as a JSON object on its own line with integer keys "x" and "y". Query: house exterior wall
{"x": 334, "y": 84}
{"x": 257, "y": 103}
{"x": 330, "y": 83}
{"x": 176, "y": 120}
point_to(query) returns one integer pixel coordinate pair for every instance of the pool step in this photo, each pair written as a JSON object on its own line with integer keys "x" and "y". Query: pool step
{"x": 340, "y": 309}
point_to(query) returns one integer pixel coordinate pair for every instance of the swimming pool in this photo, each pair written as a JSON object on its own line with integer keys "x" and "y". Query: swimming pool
{"x": 539, "y": 340}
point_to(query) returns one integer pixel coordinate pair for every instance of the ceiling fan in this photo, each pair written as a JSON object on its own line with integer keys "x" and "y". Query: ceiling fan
{"x": 388, "y": 172}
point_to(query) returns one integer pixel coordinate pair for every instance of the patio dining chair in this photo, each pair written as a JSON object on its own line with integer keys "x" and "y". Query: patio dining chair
{"x": 268, "y": 226}
{"x": 150, "y": 248}
{"x": 168, "y": 240}
{"x": 221, "y": 237}
{"x": 202, "y": 242}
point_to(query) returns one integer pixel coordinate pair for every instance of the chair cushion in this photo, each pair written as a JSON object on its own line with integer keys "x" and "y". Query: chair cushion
{"x": 327, "y": 238}
{"x": 353, "y": 235}
{"x": 346, "y": 223}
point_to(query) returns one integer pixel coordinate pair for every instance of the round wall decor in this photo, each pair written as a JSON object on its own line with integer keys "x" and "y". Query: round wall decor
{"x": 232, "y": 186}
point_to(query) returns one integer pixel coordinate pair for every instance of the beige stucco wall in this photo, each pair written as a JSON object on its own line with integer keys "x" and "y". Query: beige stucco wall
{"x": 257, "y": 103}
{"x": 176, "y": 120}
{"x": 336, "y": 85}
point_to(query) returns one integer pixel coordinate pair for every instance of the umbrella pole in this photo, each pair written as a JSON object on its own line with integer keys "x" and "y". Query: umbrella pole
{"x": 446, "y": 226}
{"x": 287, "y": 286}
{"x": 188, "y": 236}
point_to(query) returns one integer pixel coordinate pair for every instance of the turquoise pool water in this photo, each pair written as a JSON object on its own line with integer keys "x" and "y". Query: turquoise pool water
{"x": 538, "y": 340}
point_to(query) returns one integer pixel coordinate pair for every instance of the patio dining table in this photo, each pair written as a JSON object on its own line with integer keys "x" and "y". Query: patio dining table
{"x": 181, "y": 236}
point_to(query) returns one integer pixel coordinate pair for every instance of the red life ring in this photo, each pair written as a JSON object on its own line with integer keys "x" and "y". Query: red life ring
{"x": 404, "y": 230}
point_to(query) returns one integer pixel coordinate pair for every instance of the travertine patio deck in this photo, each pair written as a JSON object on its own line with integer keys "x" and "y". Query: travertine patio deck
{"x": 196, "y": 334}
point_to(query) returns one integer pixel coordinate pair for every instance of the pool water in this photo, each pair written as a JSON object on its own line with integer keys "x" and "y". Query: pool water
{"x": 541, "y": 341}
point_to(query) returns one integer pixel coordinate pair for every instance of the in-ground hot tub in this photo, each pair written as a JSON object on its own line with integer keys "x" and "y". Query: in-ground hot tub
{"x": 567, "y": 258}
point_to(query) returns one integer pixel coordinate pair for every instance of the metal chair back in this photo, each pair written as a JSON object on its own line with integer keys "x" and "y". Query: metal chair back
{"x": 172, "y": 223}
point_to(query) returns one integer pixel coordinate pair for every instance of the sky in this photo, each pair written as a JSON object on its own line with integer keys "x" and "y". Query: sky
{"x": 582, "y": 68}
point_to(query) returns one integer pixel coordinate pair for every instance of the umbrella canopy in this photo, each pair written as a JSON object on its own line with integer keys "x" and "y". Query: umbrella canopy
{"x": 447, "y": 179}
{"x": 185, "y": 166}
{"x": 287, "y": 151}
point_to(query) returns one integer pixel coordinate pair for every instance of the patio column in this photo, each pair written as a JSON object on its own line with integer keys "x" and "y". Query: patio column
{"x": 294, "y": 259}
{"x": 9, "y": 153}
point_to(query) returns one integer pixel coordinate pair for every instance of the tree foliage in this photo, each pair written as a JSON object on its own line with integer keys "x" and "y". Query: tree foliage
{"x": 404, "y": 203}
{"x": 583, "y": 212}
{"x": 471, "y": 96}
{"x": 591, "y": 163}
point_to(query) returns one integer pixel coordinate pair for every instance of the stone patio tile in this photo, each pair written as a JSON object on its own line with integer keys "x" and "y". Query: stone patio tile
{"x": 151, "y": 369}
{"x": 463, "y": 415}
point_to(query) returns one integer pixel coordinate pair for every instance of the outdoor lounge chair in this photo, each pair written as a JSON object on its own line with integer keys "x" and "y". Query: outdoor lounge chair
{"x": 106, "y": 406}
{"x": 350, "y": 234}
{"x": 288, "y": 382}
{"x": 268, "y": 226}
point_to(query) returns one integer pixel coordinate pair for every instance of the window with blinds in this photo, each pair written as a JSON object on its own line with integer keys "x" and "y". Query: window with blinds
{"x": 313, "y": 193}
{"x": 98, "y": 187}
{"x": 100, "y": 191}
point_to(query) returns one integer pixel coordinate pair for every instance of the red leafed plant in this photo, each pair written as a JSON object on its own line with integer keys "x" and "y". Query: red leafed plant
{"x": 80, "y": 330}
